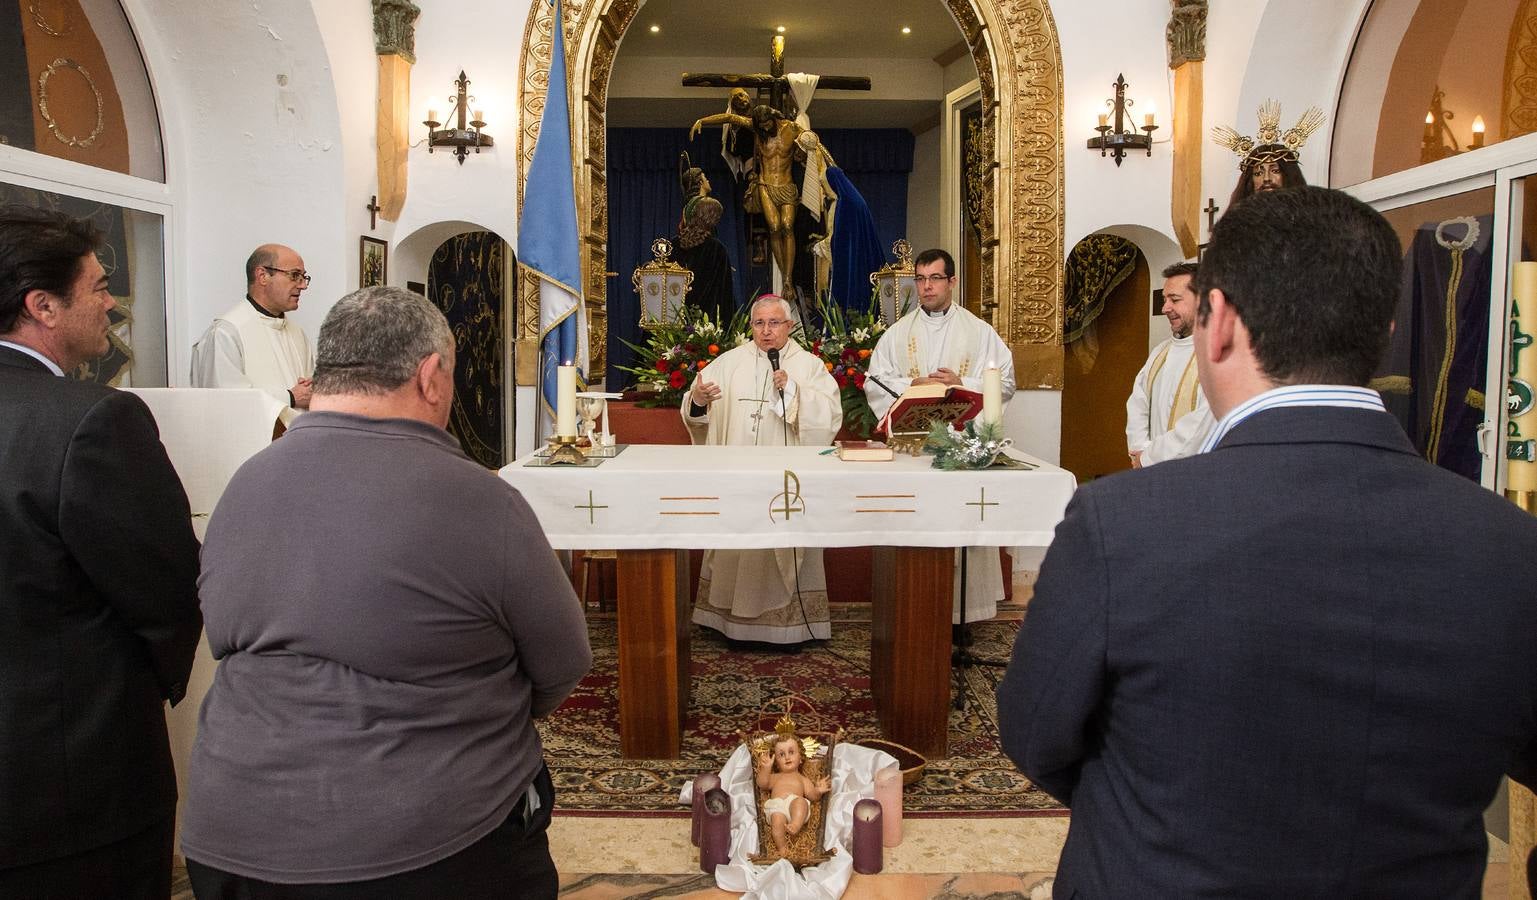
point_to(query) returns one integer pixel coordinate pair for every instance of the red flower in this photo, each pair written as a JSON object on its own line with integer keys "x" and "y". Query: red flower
{"x": 676, "y": 379}
{"x": 841, "y": 378}
{"x": 661, "y": 365}
{"x": 859, "y": 380}
{"x": 850, "y": 354}
{"x": 690, "y": 348}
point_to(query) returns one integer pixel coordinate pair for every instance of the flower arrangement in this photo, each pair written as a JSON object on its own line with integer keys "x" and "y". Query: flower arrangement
{"x": 974, "y": 446}
{"x": 675, "y": 352}
{"x": 845, "y": 345}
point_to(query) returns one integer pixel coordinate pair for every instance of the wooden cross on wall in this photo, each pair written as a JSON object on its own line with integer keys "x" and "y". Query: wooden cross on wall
{"x": 775, "y": 81}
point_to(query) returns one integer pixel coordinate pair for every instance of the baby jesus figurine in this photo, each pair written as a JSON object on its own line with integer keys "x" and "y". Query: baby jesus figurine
{"x": 790, "y": 791}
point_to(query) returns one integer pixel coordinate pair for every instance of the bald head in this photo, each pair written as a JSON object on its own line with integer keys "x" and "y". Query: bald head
{"x": 275, "y": 278}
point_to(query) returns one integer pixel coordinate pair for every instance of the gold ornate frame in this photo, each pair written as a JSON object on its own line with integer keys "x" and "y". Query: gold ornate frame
{"x": 1019, "y": 64}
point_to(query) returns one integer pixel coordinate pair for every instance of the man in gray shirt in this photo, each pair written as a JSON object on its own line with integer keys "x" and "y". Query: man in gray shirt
{"x": 389, "y": 621}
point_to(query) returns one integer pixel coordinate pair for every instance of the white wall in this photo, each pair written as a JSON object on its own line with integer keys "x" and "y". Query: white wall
{"x": 253, "y": 150}
{"x": 923, "y": 193}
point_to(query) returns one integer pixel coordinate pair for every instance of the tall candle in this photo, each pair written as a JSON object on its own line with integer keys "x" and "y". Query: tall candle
{"x": 1519, "y": 474}
{"x": 715, "y": 831}
{"x": 565, "y": 401}
{"x": 703, "y": 784}
{"x": 992, "y": 395}
{"x": 888, "y": 791}
{"x": 867, "y": 837}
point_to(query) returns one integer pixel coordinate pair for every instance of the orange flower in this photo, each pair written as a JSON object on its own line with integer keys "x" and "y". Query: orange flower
{"x": 864, "y": 354}
{"x": 714, "y": 348}
{"x": 829, "y": 366}
{"x": 702, "y": 363}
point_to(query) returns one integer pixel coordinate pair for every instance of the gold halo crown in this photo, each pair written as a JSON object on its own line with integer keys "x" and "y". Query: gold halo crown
{"x": 785, "y": 726}
{"x": 1290, "y": 141}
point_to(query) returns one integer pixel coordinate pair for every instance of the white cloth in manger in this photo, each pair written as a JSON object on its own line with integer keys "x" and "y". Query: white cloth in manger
{"x": 853, "y": 778}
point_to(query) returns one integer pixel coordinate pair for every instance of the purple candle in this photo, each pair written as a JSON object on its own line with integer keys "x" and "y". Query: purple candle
{"x": 715, "y": 831}
{"x": 703, "y": 784}
{"x": 867, "y": 837}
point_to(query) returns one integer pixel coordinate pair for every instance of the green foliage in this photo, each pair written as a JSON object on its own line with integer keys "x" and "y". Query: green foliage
{"x": 973, "y": 447}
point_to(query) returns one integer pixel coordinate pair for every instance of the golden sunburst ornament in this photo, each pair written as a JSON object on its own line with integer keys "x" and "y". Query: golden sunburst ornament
{"x": 1290, "y": 141}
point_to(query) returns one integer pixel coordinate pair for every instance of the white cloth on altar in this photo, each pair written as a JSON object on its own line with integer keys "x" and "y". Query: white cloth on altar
{"x": 739, "y": 594}
{"x": 245, "y": 349}
{"x": 853, "y": 779}
{"x": 1153, "y": 395}
{"x": 916, "y": 346}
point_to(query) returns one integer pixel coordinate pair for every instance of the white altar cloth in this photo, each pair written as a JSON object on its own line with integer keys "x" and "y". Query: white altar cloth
{"x": 669, "y": 496}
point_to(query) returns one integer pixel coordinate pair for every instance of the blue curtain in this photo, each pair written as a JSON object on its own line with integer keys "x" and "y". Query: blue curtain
{"x": 645, "y": 201}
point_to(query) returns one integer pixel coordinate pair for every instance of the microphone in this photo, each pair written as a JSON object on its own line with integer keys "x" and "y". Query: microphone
{"x": 773, "y": 358}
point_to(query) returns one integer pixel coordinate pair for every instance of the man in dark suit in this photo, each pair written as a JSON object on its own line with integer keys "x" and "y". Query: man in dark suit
{"x": 98, "y": 588}
{"x": 1296, "y": 665}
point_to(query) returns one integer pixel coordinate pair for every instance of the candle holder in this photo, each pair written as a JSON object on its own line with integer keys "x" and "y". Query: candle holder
{"x": 1115, "y": 140}
{"x": 564, "y": 451}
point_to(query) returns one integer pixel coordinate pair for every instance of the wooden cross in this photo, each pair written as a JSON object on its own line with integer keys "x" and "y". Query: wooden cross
{"x": 1210, "y": 209}
{"x": 982, "y": 505}
{"x": 591, "y": 508}
{"x": 374, "y": 209}
{"x": 775, "y": 81}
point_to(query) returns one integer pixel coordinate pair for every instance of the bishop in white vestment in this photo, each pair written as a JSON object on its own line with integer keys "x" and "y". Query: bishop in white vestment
{"x": 941, "y": 341}
{"x": 1166, "y": 414}
{"x": 775, "y": 596}
{"x": 254, "y": 345}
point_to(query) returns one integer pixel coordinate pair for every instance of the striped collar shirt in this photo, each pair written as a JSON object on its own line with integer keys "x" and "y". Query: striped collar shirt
{"x": 1294, "y": 395}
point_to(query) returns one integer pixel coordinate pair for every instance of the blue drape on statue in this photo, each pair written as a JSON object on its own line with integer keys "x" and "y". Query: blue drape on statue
{"x": 857, "y": 249}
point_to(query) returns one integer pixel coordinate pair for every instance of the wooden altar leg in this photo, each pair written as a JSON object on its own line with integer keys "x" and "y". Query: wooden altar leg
{"x": 653, "y": 652}
{"x": 910, "y": 645}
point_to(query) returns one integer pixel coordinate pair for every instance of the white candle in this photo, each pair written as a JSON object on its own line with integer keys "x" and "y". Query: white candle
{"x": 565, "y": 402}
{"x": 992, "y": 395}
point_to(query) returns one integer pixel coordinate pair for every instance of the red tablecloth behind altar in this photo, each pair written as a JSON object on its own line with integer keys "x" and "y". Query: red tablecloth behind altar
{"x": 848, "y": 568}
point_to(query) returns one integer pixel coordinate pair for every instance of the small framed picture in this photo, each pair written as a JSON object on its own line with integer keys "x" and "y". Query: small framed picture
{"x": 373, "y": 262}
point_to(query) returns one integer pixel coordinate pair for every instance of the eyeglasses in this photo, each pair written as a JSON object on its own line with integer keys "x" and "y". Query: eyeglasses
{"x": 932, "y": 279}
{"x": 769, "y": 323}
{"x": 295, "y": 275}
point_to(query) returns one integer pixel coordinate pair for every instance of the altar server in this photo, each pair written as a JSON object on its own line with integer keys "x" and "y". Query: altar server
{"x": 941, "y": 341}
{"x": 255, "y": 344}
{"x": 1166, "y": 414}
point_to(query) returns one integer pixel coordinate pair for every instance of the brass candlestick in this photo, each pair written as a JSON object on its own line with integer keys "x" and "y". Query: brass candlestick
{"x": 565, "y": 452}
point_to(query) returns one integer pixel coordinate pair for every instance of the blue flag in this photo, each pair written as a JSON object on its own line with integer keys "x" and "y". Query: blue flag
{"x": 549, "y": 243}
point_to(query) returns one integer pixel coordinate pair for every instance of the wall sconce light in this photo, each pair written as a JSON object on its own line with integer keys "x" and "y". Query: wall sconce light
{"x": 1433, "y": 145}
{"x": 468, "y": 132}
{"x": 1116, "y": 139}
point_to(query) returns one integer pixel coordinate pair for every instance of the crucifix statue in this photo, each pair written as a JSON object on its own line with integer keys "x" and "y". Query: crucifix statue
{"x": 771, "y": 190}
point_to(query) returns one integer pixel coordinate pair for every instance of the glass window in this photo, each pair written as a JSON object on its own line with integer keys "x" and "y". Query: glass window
{"x": 133, "y": 254}
{"x": 1433, "y": 379}
{"x": 1430, "y": 79}
{"x": 73, "y": 85}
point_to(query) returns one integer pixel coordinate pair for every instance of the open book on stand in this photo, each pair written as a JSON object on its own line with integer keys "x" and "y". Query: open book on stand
{"x": 914, "y": 414}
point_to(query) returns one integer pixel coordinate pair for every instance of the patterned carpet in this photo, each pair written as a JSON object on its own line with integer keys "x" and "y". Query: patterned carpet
{"x": 730, "y": 687}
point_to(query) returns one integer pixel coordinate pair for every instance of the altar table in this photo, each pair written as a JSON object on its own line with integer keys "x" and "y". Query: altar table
{"x": 652, "y": 503}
